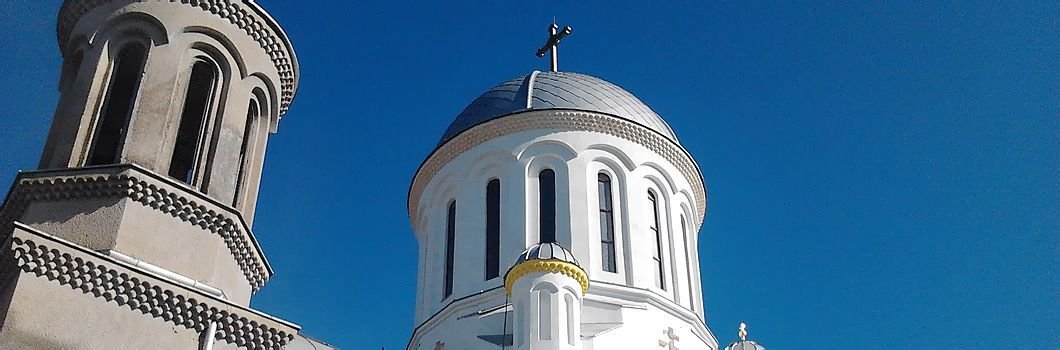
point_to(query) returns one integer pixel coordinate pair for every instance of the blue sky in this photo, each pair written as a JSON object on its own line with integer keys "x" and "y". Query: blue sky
{"x": 879, "y": 175}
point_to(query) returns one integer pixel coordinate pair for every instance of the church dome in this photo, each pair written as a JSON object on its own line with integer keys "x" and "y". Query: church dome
{"x": 557, "y": 90}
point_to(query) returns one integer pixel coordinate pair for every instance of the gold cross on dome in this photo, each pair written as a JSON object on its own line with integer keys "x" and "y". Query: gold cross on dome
{"x": 554, "y": 36}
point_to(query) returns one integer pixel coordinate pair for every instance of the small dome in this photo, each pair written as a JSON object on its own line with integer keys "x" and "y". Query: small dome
{"x": 745, "y": 345}
{"x": 557, "y": 90}
{"x": 547, "y": 251}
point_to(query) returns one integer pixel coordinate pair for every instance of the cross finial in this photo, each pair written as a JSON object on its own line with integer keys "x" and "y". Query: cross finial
{"x": 743, "y": 331}
{"x": 554, "y": 36}
{"x": 670, "y": 343}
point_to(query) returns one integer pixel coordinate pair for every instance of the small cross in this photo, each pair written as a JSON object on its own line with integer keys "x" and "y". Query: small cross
{"x": 554, "y": 36}
{"x": 670, "y": 343}
{"x": 743, "y": 331}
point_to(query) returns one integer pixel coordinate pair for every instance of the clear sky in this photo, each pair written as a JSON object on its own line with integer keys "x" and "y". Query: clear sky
{"x": 883, "y": 176}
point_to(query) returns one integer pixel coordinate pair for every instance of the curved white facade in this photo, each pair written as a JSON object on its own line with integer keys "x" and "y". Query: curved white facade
{"x": 626, "y": 308}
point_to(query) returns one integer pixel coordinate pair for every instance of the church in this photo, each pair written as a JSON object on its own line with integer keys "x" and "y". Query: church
{"x": 557, "y": 211}
{"x": 592, "y": 193}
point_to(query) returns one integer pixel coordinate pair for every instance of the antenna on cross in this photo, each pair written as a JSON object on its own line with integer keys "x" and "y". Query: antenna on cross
{"x": 554, "y": 36}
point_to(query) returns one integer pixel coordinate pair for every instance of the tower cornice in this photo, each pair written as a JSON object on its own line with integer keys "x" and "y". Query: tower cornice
{"x": 151, "y": 190}
{"x": 246, "y": 15}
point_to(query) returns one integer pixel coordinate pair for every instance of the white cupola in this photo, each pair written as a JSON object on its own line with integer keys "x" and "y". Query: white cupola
{"x": 570, "y": 163}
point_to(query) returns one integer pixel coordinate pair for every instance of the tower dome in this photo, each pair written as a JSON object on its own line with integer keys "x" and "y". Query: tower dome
{"x": 555, "y": 258}
{"x": 744, "y": 343}
{"x": 557, "y": 90}
{"x": 547, "y": 251}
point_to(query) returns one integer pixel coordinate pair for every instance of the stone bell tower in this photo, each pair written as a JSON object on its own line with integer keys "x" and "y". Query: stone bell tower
{"x": 135, "y": 232}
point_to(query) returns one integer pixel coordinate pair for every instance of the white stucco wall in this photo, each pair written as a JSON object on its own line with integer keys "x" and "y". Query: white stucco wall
{"x": 576, "y": 157}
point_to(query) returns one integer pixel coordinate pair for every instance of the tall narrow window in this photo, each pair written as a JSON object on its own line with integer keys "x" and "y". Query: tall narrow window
{"x": 192, "y": 128}
{"x": 544, "y": 315}
{"x": 493, "y": 228}
{"x": 117, "y": 108}
{"x": 660, "y": 271}
{"x": 569, "y": 301}
{"x": 450, "y": 241}
{"x": 546, "y": 187}
{"x": 249, "y": 131}
{"x": 688, "y": 260}
{"x": 607, "y": 223}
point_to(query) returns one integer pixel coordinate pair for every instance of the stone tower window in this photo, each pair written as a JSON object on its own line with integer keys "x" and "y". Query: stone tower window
{"x": 450, "y": 241}
{"x": 249, "y": 133}
{"x": 660, "y": 271}
{"x": 192, "y": 130}
{"x": 493, "y": 228}
{"x": 547, "y": 205}
{"x": 117, "y": 108}
{"x": 607, "y": 223}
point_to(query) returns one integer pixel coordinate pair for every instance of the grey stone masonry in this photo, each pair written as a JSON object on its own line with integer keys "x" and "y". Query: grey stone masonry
{"x": 44, "y": 274}
{"x": 132, "y": 210}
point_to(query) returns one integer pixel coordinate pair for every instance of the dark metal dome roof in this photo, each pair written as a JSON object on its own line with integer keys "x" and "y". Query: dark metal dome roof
{"x": 745, "y": 345}
{"x": 557, "y": 90}
{"x": 547, "y": 251}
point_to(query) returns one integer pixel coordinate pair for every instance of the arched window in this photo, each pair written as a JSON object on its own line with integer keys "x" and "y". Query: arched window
{"x": 249, "y": 133}
{"x": 660, "y": 270}
{"x": 569, "y": 303}
{"x": 493, "y": 228}
{"x": 128, "y": 69}
{"x": 607, "y": 223}
{"x": 688, "y": 260}
{"x": 544, "y": 315}
{"x": 192, "y": 130}
{"x": 547, "y": 205}
{"x": 450, "y": 245}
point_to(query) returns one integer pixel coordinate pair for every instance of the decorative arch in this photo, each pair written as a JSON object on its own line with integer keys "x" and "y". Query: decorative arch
{"x": 605, "y": 163}
{"x": 534, "y": 168}
{"x": 444, "y": 186}
{"x": 618, "y": 154}
{"x": 251, "y": 149}
{"x": 271, "y": 97}
{"x": 220, "y": 44}
{"x": 666, "y": 221}
{"x": 668, "y": 183}
{"x": 138, "y": 25}
{"x": 552, "y": 148}
{"x": 126, "y": 64}
{"x": 489, "y": 164}
{"x": 543, "y": 302}
{"x": 194, "y": 140}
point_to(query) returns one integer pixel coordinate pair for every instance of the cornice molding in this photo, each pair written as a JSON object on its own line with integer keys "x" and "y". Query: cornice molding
{"x": 604, "y": 291}
{"x": 247, "y": 16}
{"x": 61, "y": 262}
{"x": 546, "y": 266}
{"x": 564, "y": 120}
{"x": 451, "y": 309}
{"x": 96, "y": 185}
